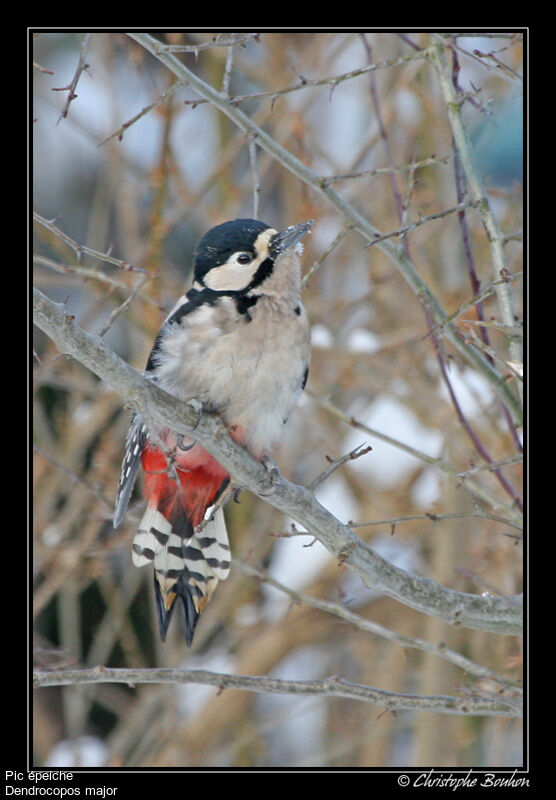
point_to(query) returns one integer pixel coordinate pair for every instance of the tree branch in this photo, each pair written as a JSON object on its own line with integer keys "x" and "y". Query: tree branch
{"x": 395, "y": 252}
{"x": 478, "y": 195}
{"x": 327, "y": 687}
{"x": 474, "y": 487}
{"x": 485, "y": 612}
{"x": 369, "y": 626}
{"x": 70, "y": 88}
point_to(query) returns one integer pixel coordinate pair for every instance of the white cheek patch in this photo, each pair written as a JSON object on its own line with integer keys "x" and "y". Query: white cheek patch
{"x": 262, "y": 242}
{"x": 230, "y": 277}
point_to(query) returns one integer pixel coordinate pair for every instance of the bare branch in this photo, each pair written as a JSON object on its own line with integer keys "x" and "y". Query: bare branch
{"x": 492, "y": 466}
{"x": 396, "y": 253}
{"x": 468, "y": 428}
{"x": 436, "y": 518}
{"x": 474, "y": 487}
{"x": 254, "y": 171}
{"x": 327, "y": 687}
{"x": 70, "y": 88}
{"x": 501, "y": 615}
{"x": 357, "y": 452}
{"x": 478, "y": 298}
{"x": 220, "y": 40}
{"x": 124, "y": 306}
{"x": 478, "y": 195}
{"x": 383, "y": 135}
{"x": 372, "y": 173}
{"x": 331, "y": 247}
{"x": 422, "y": 221}
{"x": 162, "y": 99}
{"x": 304, "y": 82}
{"x": 367, "y": 625}
{"x": 80, "y": 249}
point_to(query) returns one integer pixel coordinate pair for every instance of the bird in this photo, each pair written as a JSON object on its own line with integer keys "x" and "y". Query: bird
{"x": 238, "y": 342}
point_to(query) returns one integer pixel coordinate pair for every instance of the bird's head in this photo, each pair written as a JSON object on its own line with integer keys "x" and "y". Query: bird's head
{"x": 245, "y": 255}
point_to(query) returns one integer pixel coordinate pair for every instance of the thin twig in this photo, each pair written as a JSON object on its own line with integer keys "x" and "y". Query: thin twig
{"x": 383, "y": 136}
{"x": 482, "y": 295}
{"x": 220, "y": 40}
{"x": 42, "y": 69}
{"x": 476, "y": 55}
{"x": 436, "y": 518}
{"x": 79, "y": 249}
{"x": 162, "y": 99}
{"x": 478, "y": 195}
{"x": 473, "y": 277}
{"x": 468, "y": 428}
{"x": 220, "y": 503}
{"x": 472, "y": 486}
{"x": 305, "y": 83}
{"x": 331, "y": 247}
{"x": 367, "y": 625}
{"x": 70, "y": 88}
{"x": 495, "y": 325}
{"x": 357, "y": 452}
{"x": 515, "y": 368}
{"x": 422, "y": 221}
{"x": 124, "y": 306}
{"x": 504, "y": 462}
{"x": 327, "y": 687}
{"x": 371, "y": 173}
{"x": 255, "y": 174}
{"x": 228, "y": 71}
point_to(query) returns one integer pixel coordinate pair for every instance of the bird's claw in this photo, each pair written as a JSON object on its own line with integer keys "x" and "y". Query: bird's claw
{"x": 273, "y": 475}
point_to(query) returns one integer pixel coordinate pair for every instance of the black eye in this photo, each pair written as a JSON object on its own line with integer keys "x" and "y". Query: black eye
{"x": 243, "y": 258}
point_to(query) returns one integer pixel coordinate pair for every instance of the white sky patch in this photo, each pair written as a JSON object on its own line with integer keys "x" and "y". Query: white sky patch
{"x": 472, "y": 391}
{"x": 192, "y": 697}
{"x": 398, "y": 552}
{"x": 293, "y": 564}
{"x": 324, "y": 231}
{"x": 84, "y": 751}
{"x": 386, "y": 464}
{"x": 52, "y": 535}
{"x": 321, "y": 337}
{"x": 298, "y": 560}
{"x": 82, "y": 413}
{"x": 408, "y": 106}
{"x": 298, "y": 724}
{"x": 361, "y": 340}
{"x": 426, "y": 489}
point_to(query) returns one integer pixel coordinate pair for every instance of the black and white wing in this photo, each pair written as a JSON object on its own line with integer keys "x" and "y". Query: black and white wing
{"x": 137, "y": 434}
{"x": 135, "y": 441}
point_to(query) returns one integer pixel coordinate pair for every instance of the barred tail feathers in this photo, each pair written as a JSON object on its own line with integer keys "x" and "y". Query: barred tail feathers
{"x": 189, "y": 555}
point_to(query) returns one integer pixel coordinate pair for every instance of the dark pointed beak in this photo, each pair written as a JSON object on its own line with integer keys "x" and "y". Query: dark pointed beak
{"x": 289, "y": 238}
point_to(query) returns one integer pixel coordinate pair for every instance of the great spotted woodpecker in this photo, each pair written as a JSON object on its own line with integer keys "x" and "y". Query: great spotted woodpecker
{"x": 239, "y": 342}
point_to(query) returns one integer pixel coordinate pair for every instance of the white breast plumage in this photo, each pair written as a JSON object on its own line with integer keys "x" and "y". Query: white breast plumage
{"x": 250, "y": 370}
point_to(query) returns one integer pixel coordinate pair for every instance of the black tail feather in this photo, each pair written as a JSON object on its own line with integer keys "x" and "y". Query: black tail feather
{"x": 164, "y": 616}
{"x": 189, "y": 614}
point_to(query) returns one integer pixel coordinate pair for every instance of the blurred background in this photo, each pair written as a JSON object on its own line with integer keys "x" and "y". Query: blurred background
{"x": 126, "y": 178}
